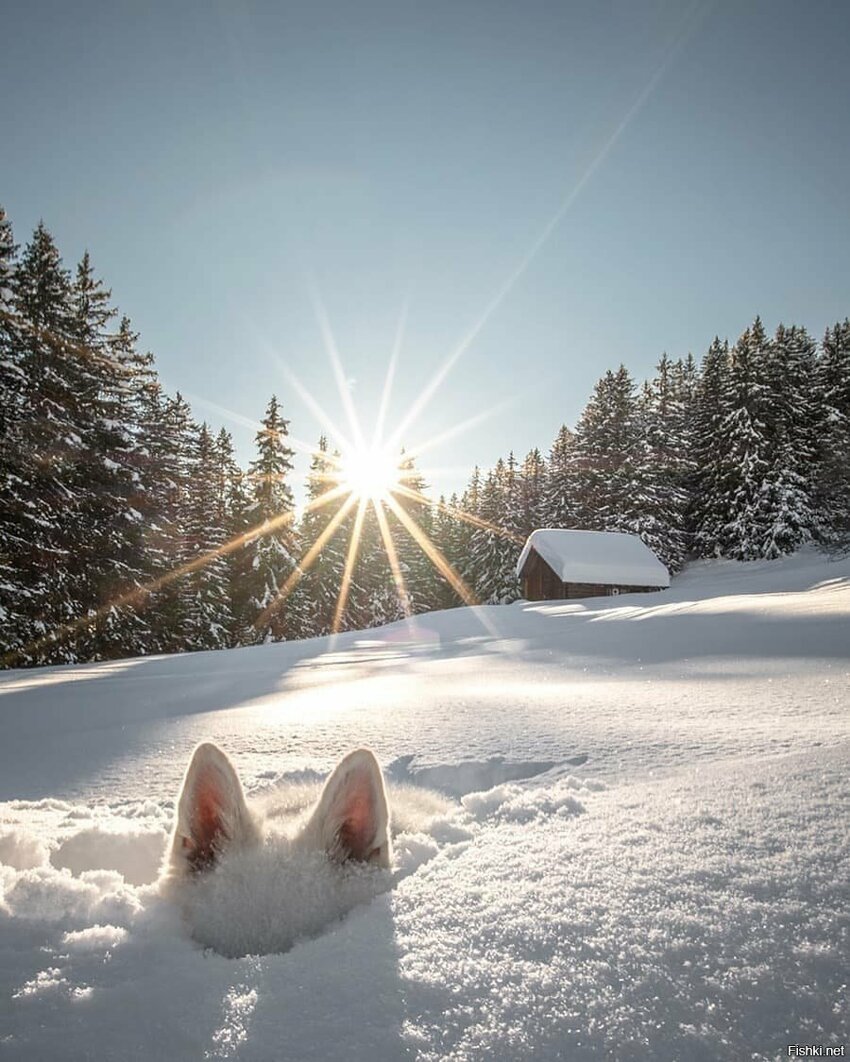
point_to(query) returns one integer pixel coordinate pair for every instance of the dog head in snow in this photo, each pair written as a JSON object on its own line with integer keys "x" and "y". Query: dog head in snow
{"x": 349, "y": 821}
{"x": 252, "y": 880}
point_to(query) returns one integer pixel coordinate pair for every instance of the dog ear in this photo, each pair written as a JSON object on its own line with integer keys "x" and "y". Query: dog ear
{"x": 351, "y": 819}
{"x": 211, "y": 812}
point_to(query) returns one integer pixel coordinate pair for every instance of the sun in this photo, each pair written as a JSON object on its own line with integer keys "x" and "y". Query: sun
{"x": 369, "y": 472}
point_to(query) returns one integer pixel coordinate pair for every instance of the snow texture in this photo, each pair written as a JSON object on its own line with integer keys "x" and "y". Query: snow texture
{"x": 596, "y": 557}
{"x": 622, "y": 830}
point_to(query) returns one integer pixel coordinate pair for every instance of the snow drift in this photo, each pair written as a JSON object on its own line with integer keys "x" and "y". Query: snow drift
{"x": 641, "y": 849}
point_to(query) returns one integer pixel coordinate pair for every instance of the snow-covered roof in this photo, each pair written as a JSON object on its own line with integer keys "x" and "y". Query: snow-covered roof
{"x": 596, "y": 557}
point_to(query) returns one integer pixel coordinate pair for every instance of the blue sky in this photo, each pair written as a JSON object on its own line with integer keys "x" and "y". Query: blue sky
{"x": 222, "y": 160}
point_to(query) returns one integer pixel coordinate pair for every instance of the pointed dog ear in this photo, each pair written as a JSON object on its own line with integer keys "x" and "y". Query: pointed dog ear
{"x": 211, "y": 812}
{"x": 351, "y": 819}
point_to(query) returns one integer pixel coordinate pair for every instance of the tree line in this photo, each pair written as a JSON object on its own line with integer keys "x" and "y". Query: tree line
{"x": 128, "y": 528}
{"x": 746, "y": 456}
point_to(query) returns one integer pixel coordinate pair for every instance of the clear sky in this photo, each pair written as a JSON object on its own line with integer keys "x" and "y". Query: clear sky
{"x": 631, "y": 176}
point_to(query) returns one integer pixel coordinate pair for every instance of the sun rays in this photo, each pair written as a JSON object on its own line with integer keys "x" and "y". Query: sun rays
{"x": 374, "y": 473}
{"x": 361, "y": 475}
{"x": 378, "y": 474}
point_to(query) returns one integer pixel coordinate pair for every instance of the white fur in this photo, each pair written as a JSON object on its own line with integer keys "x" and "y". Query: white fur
{"x": 253, "y": 881}
{"x": 210, "y": 780}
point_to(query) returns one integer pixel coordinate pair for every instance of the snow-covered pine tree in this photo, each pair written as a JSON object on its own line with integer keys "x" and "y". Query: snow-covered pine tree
{"x": 171, "y": 441}
{"x": 514, "y": 512}
{"x": 532, "y": 483}
{"x": 274, "y": 551}
{"x": 495, "y": 552}
{"x": 744, "y": 440}
{"x": 663, "y": 468}
{"x": 420, "y": 576}
{"x": 206, "y": 590}
{"x": 319, "y": 588}
{"x": 470, "y": 503}
{"x": 832, "y": 388}
{"x": 14, "y": 459}
{"x": 481, "y": 568}
{"x": 138, "y": 410}
{"x": 790, "y": 483}
{"x": 44, "y": 508}
{"x": 685, "y": 383}
{"x": 607, "y": 456}
{"x": 107, "y": 561}
{"x": 42, "y": 286}
{"x": 685, "y": 379}
{"x": 559, "y": 500}
{"x": 373, "y": 597}
{"x": 232, "y": 505}
{"x": 712, "y": 404}
{"x": 448, "y": 532}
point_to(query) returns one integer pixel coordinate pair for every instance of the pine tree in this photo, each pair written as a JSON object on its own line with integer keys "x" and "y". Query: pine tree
{"x": 274, "y": 550}
{"x": 712, "y": 405}
{"x": 744, "y": 442}
{"x": 319, "y": 588}
{"x": 470, "y": 504}
{"x": 420, "y": 577}
{"x": 42, "y": 287}
{"x": 138, "y": 408}
{"x": 449, "y": 534}
{"x": 171, "y": 452}
{"x": 495, "y": 549}
{"x": 232, "y": 507}
{"x": 373, "y": 596}
{"x": 42, "y": 511}
{"x": 532, "y": 484}
{"x": 90, "y": 309}
{"x": 789, "y": 487}
{"x": 607, "y": 456}
{"x": 664, "y": 466}
{"x": 832, "y": 390}
{"x": 108, "y": 561}
{"x": 686, "y": 380}
{"x": 205, "y": 591}
{"x": 14, "y": 457}
{"x": 559, "y": 486}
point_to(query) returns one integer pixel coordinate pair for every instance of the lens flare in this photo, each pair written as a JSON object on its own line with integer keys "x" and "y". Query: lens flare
{"x": 369, "y": 472}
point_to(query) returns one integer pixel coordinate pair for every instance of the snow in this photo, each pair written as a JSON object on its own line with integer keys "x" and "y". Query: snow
{"x": 639, "y": 847}
{"x": 596, "y": 557}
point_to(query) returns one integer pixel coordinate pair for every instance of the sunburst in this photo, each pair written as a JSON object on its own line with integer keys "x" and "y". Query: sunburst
{"x": 377, "y": 474}
{"x": 362, "y": 474}
{"x": 370, "y": 472}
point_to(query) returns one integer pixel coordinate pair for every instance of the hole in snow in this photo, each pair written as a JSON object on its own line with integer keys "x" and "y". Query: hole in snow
{"x": 469, "y": 776}
{"x": 263, "y": 900}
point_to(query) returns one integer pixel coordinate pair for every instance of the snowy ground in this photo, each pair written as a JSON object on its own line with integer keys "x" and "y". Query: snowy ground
{"x": 645, "y": 851}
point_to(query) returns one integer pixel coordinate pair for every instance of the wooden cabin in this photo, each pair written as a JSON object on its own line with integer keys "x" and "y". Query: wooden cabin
{"x": 557, "y": 564}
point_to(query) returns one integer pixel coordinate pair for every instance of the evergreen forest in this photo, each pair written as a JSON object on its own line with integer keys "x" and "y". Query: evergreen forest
{"x": 128, "y": 528}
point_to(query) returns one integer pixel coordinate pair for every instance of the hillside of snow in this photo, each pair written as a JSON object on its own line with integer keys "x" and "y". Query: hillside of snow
{"x": 641, "y": 849}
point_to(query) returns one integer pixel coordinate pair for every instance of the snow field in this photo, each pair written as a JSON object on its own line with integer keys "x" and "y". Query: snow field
{"x": 641, "y": 850}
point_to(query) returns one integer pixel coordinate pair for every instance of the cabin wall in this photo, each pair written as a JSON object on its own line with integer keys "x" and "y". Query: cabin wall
{"x": 540, "y": 583}
{"x": 572, "y": 590}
